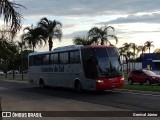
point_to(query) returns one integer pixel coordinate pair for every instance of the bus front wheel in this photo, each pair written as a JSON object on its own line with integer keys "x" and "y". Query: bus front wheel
{"x": 41, "y": 83}
{"x": 78, "y": 86}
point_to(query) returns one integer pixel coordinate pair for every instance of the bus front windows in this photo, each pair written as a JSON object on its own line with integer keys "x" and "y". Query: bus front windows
{"x": 108, "y": 62}
{"x": 101, "y": 62}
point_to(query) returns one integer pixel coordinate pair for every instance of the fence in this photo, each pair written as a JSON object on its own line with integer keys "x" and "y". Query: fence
{"x": 132, "y": 66}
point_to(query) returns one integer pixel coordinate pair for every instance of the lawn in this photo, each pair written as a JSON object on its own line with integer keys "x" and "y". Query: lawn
{"x": 18, "y": 77}
{"x": 153, "y": 88}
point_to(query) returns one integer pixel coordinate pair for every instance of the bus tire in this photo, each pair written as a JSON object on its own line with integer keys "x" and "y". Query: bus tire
{"x": 41, "y": 83}
{"x": 78, "y": 87}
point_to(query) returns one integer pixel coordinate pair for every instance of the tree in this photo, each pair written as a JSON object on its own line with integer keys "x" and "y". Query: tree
{"x": 148, "y": 44}
{"x": 33, "y": 37}
{"x": 51, "y": 30}
{"x": 7, "y": 49}
{"x": 126, "y": 47}
{"x": 102, "y": 34}
{"x": 157, "y": 50}
{"x": 21, "y": 46}
{"x": 7, "y": 9}
{"x": 141, "y": 48}
{"x": 121, "y": 50}
{"x": 82, "y": 41}
{"x": 134, "y": 47}
{"x": 8, "y": 52}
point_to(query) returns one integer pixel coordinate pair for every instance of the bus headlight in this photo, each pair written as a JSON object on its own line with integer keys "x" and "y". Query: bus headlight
{"x": 122, "y": 79}
{"x": 100, "y": 81}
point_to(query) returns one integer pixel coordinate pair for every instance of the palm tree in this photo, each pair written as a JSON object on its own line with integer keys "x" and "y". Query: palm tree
{"x": 82, "y": 41}
{"x": 122, "y": 50}
{"x": 134, "y": 47}
{"x": 141, "y": 48}
{"x": 148, "y": 44}
{"x": 33, "y": 37}
{"x": 51, "y": 30}
{"x": 21, "y": 46}
{"x": 7, "y": 9}
{"x": 157, "y": 50}
{"x": 127, "y": 51}
{"x": 130, "y": 54}
{"x": 101, "y": 34}
{"x": 126, "y": 47}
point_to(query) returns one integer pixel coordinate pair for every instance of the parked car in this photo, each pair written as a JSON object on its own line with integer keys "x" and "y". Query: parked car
{"x": 1, "y": 72}
{"x": 143, "y": 76}
{"x": 25, "y": 71}
{"x": 11, "y": 72}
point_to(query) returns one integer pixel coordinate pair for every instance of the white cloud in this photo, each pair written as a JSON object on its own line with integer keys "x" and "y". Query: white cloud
{"x": 75, "y": 34}
{"x": 146, "y": 18}
{"x": 87, "y": 7}
{"x": 78, "y": 16}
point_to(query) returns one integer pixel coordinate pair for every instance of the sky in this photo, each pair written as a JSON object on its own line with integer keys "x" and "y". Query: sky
{"x": 135, "y": 21}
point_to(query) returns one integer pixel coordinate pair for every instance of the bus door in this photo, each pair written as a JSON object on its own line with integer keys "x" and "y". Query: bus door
{"x": 74, "y": 68}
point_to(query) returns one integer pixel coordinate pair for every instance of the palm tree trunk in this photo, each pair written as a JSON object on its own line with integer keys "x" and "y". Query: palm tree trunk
{"x": 33, "y": 48}
{"x": 22, "y": 63}
{"x": 6, "y": 67}
{"x": 50, "y": 43}
{"x": 102, "y": 43}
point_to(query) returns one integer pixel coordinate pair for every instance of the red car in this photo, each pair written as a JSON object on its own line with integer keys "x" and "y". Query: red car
{"x": 143, "y": 76}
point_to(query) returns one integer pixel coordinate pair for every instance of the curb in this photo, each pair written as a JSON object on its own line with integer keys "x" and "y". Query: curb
{"x": 137, "y": 91}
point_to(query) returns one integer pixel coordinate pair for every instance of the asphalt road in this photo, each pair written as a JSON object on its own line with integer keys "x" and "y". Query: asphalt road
{"x": 23, "y": 96}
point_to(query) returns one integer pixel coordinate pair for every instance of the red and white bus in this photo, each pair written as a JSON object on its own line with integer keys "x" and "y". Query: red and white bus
{"x": 81, "y": 67}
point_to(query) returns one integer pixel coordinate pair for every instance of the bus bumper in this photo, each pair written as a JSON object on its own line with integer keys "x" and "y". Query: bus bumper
{"x": 109, "y": 83}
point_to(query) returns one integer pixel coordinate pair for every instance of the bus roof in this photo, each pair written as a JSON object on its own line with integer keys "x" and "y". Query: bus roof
{"x": 59, "y": 49}
{"x": 65, "y": 48}
{"x": 96, "y": 46}
{"x": 70, "y": 47}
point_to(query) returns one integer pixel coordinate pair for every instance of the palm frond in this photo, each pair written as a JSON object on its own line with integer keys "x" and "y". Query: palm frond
{"x": 7, "y": 9}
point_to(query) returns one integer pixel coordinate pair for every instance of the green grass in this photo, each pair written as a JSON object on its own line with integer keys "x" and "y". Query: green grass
{"x": 153, "y": 88}
{"x": 18, "y": 77}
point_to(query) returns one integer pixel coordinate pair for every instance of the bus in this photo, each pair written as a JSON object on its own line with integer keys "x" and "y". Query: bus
{"x": 91, "y": 67}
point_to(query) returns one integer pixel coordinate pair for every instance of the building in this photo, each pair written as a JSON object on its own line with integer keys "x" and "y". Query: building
{"x": 151, "y": 61}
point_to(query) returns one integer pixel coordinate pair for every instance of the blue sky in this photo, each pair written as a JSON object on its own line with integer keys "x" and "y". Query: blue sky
{"x": 134, "y": 20}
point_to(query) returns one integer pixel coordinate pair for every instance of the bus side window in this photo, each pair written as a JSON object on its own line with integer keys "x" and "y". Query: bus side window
{"x": 72, "y": 57}
{"x": 37, "y": 60}
{"x": 63, "y": 58}
{"x": 31, "y": 60}
{"x": 54, "y": 58}
{"x": 45, "y": 59}
{"x": 77, "y": 57}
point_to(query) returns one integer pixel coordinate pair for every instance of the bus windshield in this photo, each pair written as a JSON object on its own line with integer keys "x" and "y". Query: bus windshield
{"x": 108, "y": 62}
